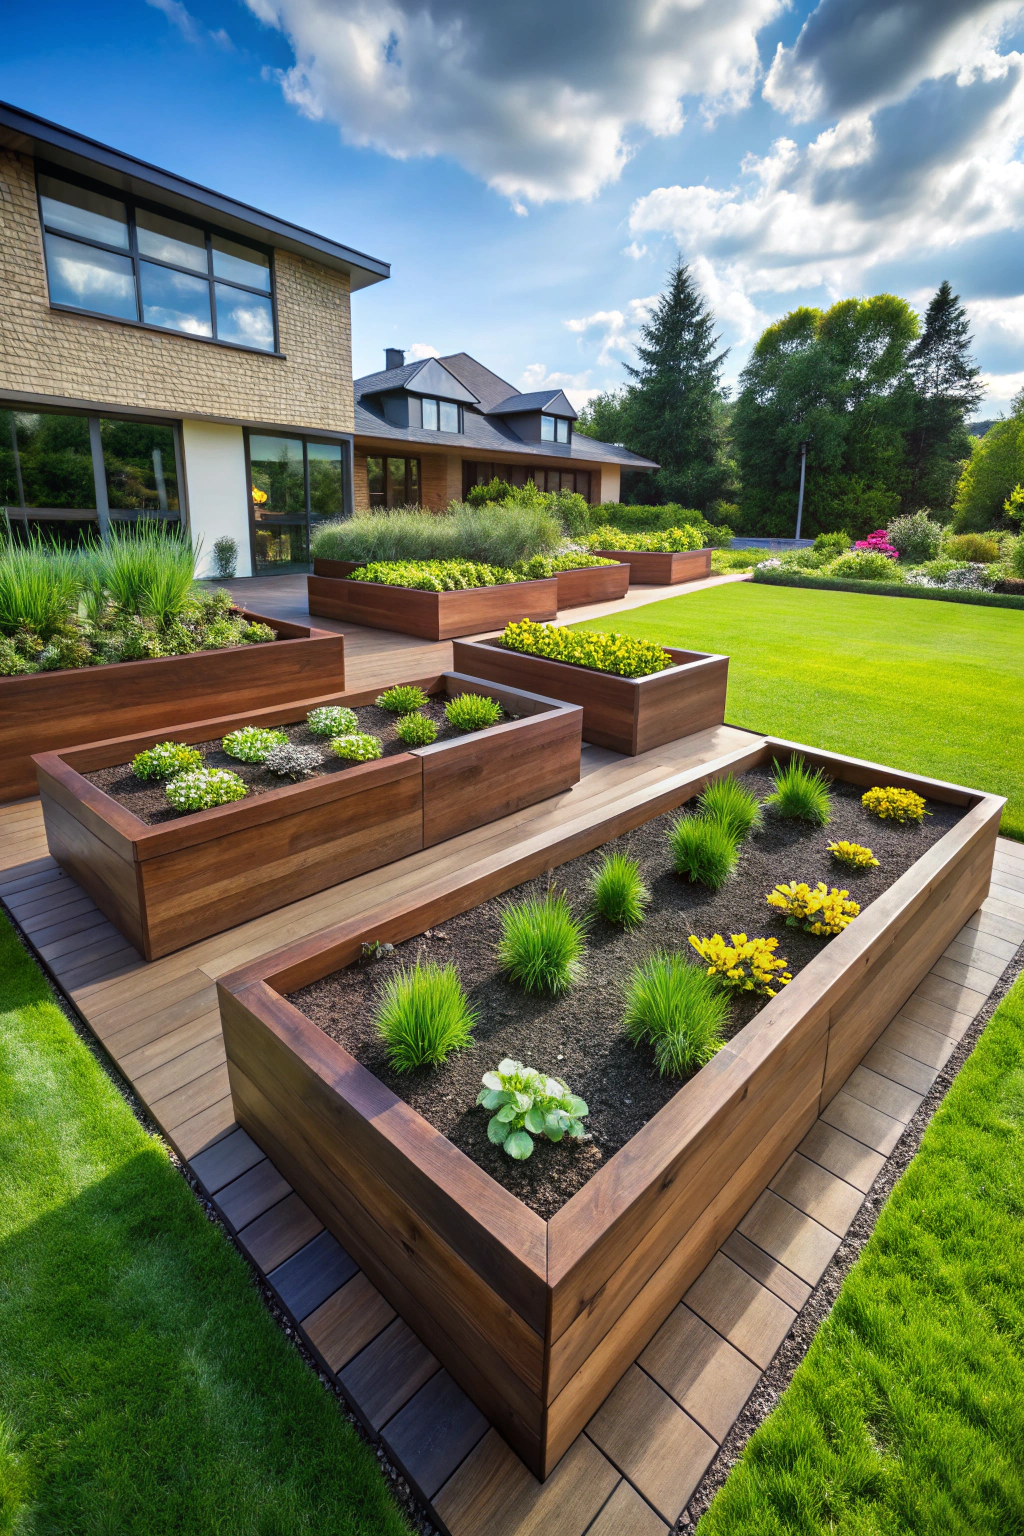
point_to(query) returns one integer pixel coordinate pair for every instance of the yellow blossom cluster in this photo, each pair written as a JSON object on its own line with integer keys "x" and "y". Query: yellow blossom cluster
{"x": 853, "y": 855}
{"x": 749, "y": 965}
{"x": 892, "y": 804}
{"x": 820, "y": 911}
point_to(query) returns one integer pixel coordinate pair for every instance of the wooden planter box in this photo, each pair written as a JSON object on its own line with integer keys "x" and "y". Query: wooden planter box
{"x": 431, "y": 615}
{"x": 538, "y": 1320}
{"x": 651, "y": 568}
{"x": 46, "y": 710}
{"x": 627, "y": 714}
{"x": 169, "y": 885}
{"x": 590, "y": 584}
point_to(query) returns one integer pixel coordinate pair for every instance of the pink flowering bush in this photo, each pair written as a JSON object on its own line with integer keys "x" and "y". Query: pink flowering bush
{"x": 877, "y": 543}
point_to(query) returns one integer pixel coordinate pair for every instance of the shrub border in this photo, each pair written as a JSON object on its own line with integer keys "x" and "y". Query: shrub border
{"x": 888, "y": 589}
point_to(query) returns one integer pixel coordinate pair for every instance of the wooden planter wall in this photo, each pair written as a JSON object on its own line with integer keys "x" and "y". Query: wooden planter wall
{"x": 590, "y": 584}
{"x": 431, "y": 615}
{"x": 538, "y": 1320}
{"x": 168, "y": 885}
{"x": 648, "y": 567}
{"x": 42, "y": 711}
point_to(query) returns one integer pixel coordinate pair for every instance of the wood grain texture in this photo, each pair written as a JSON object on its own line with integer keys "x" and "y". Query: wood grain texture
{"x": 431, "y": 615}
{"x": 592, "y": 584}
{"x": 650, "y": 568}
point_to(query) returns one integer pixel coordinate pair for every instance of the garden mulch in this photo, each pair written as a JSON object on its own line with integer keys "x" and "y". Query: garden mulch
{"x": 579, "y": 1036}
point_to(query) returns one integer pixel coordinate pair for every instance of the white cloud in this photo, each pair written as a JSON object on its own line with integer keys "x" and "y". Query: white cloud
{"x": 540, "y": 101}
{"x": 1000, "y": 389}
{"x": 191, "y": 30}
{"x": 998, "y": 320}
{"x": 615, "y": 329}
{"x": 420, "y": 350}
{"x": 578, "y": 389}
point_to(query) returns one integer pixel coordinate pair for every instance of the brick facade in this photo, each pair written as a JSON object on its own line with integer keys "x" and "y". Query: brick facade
{"x": 74, "y": 357}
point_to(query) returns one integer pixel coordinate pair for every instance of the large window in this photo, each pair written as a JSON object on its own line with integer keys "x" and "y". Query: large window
{"x": 475, "y": 472}
{"x": 441, "y": 416}
{"x": 295, "y": 484}
{"x": 393, "y": 482}
{"x": 554, "y": 429}
{"x": 109, "y": 255}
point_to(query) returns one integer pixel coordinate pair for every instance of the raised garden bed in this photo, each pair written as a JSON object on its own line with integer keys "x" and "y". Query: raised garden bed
{"x": 653, "y": 568}
{"x": 42, "y": 711}
{"x": 167, "y": 880}
{"x": 538, "y": 1318}
{"x": 626, "y": 714}
{"x": 431, "y": 615}
{"x": 589, "y": 584}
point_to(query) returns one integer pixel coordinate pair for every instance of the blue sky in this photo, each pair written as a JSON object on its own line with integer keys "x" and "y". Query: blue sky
{"x": 531, "y": 170}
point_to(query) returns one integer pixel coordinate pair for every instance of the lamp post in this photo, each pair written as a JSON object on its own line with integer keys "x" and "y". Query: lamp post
{"x": 803, "y": 476}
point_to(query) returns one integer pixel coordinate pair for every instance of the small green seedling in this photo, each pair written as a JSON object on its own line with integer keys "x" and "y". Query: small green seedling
{"x": 402, "y": 699}
{"x": 528, "y": 1103}
{"x": 472, "y": 712}
{"x": 416, "y": 730}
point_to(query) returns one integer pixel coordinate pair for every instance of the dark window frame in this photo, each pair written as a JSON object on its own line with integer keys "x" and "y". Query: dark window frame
{"x": 439, "y": 400}
{"x": 474, "y": 473}
{"x": 556, "y": 422}
{"x": 132, "y": 254}
{"x": 295, "y": 521}
{"x": 409, "y": 458}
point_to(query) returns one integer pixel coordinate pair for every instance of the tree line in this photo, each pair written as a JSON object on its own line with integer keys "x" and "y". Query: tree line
{"x": 871, "y": 398}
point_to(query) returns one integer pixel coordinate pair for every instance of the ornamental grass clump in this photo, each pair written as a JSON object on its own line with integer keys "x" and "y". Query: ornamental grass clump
{"x": 416, "y": 730}
{"x": 472, "y": 712}
{"x": 165, "y": 761}
{"x": 253, "y": 742}
{"x": 422, "y": 1015}
{"x": 703, "y": 850}
{"x": 746, "y": 965}
{"x": 586, "y": 648}
{"x": 204, "y": 788}
{"x": 359, "y": 747}
{"x": 853, "y": 855}
{"x": 528, "y": 1103}
{"x": 618, "y": 891}
{"x": 542, "y": 944}
{"x": 891, "y": 804}
{"x": 678, "y": 1009}
{"x": 816, "y": 910}
{"x": 39, "y": 588}
{"x": 402, "y": 699}
{"x": 732, "y": 806}
{"x": 332, "y": 720}
{"x": 801, "y": 795}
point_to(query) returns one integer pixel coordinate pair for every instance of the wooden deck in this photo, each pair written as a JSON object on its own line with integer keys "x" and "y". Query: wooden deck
{"x": 637, "y": 1464}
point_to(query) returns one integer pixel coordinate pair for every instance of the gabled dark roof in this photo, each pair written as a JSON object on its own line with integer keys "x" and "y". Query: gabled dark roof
{"x": 540, "y": 400}
{"x": 429, "y": 376}
{"x": 488, "y": 387}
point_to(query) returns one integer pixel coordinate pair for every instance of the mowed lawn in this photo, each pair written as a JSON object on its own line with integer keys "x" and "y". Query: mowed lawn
{"x": 144, "y": 1389}
{"x": 936, "y": 688}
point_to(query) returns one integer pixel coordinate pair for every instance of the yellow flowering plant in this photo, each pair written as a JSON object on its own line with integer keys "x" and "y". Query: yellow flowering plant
{"x": 748, "y": 965}
{"x": 853, "y": 855}
{"x": 820, "y": 911}
{"x": 586, "y": 648}
{"x": 891, "y": 804}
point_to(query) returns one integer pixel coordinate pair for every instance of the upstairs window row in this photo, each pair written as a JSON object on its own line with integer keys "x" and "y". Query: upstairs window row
{"x": 108, "y": 255}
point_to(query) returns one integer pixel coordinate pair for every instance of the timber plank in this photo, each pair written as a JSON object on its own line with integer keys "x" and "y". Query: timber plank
{"x": 63, "y": 949}
{"x": 627, "y": 1514}
{"x": 978, "y": 974}
{"x": 982, "y": 950}
{"x": 989, "y": 923}
{"x": 434, "y": 1432}
{"x": 383, "y": 1377}
{"x": 317, "y": 1271}
{"x": 662, "y": 1451}
{"x": 887, "y": 1062}
{"x": 493, "y": 1494}
{"x": 161, "y": 1081}
{"x": 928, "y": 1046}
{"x": 144, "y": 1058}
{"x": 279, "y": 1232}
{"x": 700, "y": 1371}
{"x": 226, "y": 1161}
{"x": 203, "y": 1129}
{"x": 967, "y": 1000}
{"x": 774, "y": 1276}
{"x": 840, "y": 1154}
{"x": 875, "y": 1129}
{"x": 937, "y": 1016}
{"x": 821, "y": 1195}
{"x": 347, "y": 1321}
{"x": 193, "y": 1097}
{"x": 117, "y": 963}
{"x": 882, "y": 1093}
{"x": 251, "y": 1194}
{"x": 796, "y": 1240}
{"x": 746, "y": 1313}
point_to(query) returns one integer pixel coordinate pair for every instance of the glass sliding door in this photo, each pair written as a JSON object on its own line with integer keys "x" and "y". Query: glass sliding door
{"x": 294, "y": 485}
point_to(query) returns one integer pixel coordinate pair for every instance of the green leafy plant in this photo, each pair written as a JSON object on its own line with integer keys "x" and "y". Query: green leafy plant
{"x": 703, "y": 850}
{"x": 541, "y": 566}
{"x": 853, "y": 855}
{"x": 165, "y": 761}
{"x": 832, "y": 545}
{"x": 917, "y": 537}
{"x": 678, "y": 1009}
{"x": 39, "y": 589}
{"x": 294, "y": 762}
{"x": 250, "y": 633}
{"x": 203, "y": 788}
{"x": 671, "y": 541}
{"x": 401, "y": 699}
{"x": 891, "y": 804}
{"x": 359, "y": 747}
{"x": 727, "y": 802}
{"x": 332, "y": 720}
{"x": 147, "y": 571}
{"x": 799, "y": 794}
{"x": 542, "y": 944}
{"x": 975, "y": 547}
{"x": 587, "y": 648}
{"x": 528, "y": 1103}
{"x": 472, "y": 712}
{"x": 225, "y": 557}
{"x": 864, "y": 565}
{"x": 495, "y": 534}
{"x": 252, "y": 743}
{"x": 416, "y": 730}
{"x": 422, "y": 1016}
{"x": 436, "y": 575}
{"x": 618, "y": 890}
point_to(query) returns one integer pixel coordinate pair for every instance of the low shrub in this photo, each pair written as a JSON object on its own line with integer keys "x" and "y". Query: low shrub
{"x": 435, "y": 575}
{"x": 225, "y": 557}
{"x": 204, "y": 788}
{"x": 703, "y": 850}
{"x": 877, "y": 543}
{"x": 727, "y": 802}
{"x": 799, "y": 794}
{"x": 1016, "y": 557}
{"x": 542, "y": 944}
{"x": 891, "y": 804}
{"x": 831, "y": 545}
{"x": 416, "y": 730}
{"x": 724, "y": 561}
{"x": 541, "y": 566}
{"x": 401, "y": 699}
{"x": 332, "y": 720}
{"x": 636, "y": 518}
{"x": 472, "y": 712}
{"x": 820, "y": 911}
{"x": 422, "y": 1015}
{"x": 746, "y": 965}
{"x": 915, "y": 537}
{"x": 12, "y": 663}
{"x": 359, "y": 747}
{"x": 977, "y": 548}
{"x": 252, "y": 743}
{"x": 64, "y": 652}
{"x": 495, "y": 534}
{"x": 672, "y": 541}
{"x": 863, "y": 565}
{"x": 618, "y": 890}
{"x": 166, "y": 760}
{"x": 678, "y": 1009}
{"x": 853, "y": 855}
{"x": 294, "y": 762}
{"x": 528, "y": 1103}
{"x": 586, "y": 648}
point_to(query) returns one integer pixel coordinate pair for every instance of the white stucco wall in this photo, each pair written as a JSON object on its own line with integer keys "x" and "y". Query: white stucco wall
{"x": 218, "y": 497}
{"x": 610, "y": 479}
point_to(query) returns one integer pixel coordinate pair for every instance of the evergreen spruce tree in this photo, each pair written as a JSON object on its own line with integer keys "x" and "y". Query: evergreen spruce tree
{"x": 946, "y": 385}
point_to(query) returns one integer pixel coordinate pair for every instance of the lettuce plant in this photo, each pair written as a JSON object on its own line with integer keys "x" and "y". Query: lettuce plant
{"x": 357, "y": 748}
{"x": 528, "y": 1103}
{"x": 586, "y": 648}
{"x": 332, "y": 720}
{"x": 165, "y": 761}
{"x": 253, "y": 742}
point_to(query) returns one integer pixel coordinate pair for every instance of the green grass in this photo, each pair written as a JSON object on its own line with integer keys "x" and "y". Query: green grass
{"x": 703, "y": 849}
{"x": 932, "y": 688}
{"x": 726, "y": 801}
{"x": 143, "y": 1388}
{"x": 618, "y": 890}
{"x": 907, "y": 1416}
{"x": 678, "y": 1008}
{"x": 422, "y": 1016}
{"x": 800, "y": 793}
{"x": 542, "y": 944}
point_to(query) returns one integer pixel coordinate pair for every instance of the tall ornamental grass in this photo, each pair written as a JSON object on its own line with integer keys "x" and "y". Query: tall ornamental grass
{"x": 492, "y": 535}
{"x": 422, "y": 1015}
{"x": 145, "y": 571}
{"x": 678, "y": 1009}
{"x": 39, "y": 588}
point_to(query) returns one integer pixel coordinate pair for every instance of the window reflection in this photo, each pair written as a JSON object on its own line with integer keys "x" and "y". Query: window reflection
{"x": 240, "y": 263}
{"x": 77, "y": 211}
{"x": 87, "y": 278}
{"x": 138, "y": 462}
{"x": 244, "y": 318}
{"x": 45, "y": 460}
{"x": 175, "y": 301}
{"x": 278, "y": 471}
{"x": 168, "y": 240}
{"x": 326, "y": 499}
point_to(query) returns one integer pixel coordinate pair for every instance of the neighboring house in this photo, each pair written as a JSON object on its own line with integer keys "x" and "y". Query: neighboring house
{"x": 167, "y": 352}
{"x": 426, "y": 432}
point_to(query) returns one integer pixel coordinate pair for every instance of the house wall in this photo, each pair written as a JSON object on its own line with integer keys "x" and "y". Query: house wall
{"x": 610, "y": 477}
{"x": 218, "y": 500}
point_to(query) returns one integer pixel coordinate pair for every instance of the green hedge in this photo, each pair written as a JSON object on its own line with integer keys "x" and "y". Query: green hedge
{"x": 888, "y": 589}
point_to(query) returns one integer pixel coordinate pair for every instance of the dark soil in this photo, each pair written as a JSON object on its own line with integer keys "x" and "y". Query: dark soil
{"x": 145, "y": 798}
{"x": 578, "y": 1036}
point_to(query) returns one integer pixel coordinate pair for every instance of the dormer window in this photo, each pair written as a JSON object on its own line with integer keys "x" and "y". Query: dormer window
{"x": 554, "y": 429}
{"x": 441, "y": 416}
